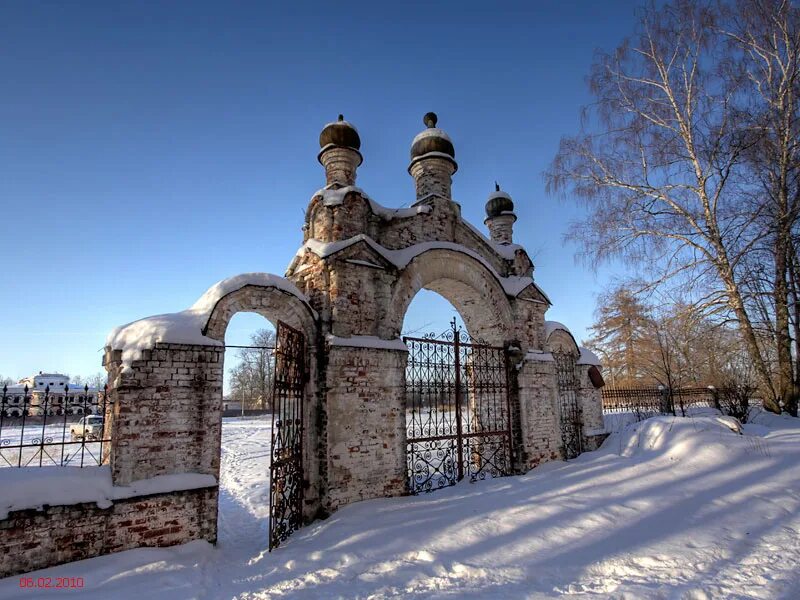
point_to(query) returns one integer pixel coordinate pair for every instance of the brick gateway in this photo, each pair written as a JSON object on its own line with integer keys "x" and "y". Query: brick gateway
{"x": 346, "y": 292}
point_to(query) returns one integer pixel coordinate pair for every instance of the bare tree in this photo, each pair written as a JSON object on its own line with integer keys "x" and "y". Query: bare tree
{"x": 662, "y": 166}
{"x": 252, "y": 377}
{"x": 764, "y": 40}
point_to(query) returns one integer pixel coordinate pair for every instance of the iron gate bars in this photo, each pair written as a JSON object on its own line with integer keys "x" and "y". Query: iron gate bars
{"x": 458, "y": 421}
{"x": 66, "y": 427}
{"x": 569, "y": 411}
{"x": 286, "y": 466}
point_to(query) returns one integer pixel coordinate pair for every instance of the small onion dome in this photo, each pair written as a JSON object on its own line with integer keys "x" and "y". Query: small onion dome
{"x": 340, "y": 133}
{"x": 499, "y": 203}
{"x": 432, "y": 140}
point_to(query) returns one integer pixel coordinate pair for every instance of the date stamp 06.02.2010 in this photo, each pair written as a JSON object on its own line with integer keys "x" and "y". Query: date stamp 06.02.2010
{"x": 51, "y": 583}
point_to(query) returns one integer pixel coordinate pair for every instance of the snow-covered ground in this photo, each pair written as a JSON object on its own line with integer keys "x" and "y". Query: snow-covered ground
{"x": 669, "y": 508}
{"x": 57, "y": 449}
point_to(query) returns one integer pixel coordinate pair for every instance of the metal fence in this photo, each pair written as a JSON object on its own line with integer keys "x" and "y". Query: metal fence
{"x": 41, "y": 428}
{"x": 653, "y": 401}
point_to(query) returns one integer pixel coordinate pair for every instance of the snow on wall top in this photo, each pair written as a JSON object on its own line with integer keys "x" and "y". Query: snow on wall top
{"x": 551, "y": 326}
{"x": 33, "y": 487}
{"x": 335, "y": 197}
{"x": 366, "y": 341}
{"x": 512, "y": 285}
{"x": 506, "y": 250}
{"x": 588, "y": 357}
{"x": 186, "y": 327}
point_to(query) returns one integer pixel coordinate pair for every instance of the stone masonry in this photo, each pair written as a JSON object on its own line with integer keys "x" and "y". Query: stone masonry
{"x": 347, "y": 290}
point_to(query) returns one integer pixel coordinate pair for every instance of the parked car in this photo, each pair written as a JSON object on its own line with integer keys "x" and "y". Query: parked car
{"x": 89, "y": 427}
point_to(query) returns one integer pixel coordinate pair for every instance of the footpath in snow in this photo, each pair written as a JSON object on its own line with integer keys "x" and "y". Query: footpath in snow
{"x": 684, "y": 508}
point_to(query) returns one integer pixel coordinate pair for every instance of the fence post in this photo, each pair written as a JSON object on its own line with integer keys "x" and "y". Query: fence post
{"x": 715, "y": 397}
{"x": 666, "y": 404}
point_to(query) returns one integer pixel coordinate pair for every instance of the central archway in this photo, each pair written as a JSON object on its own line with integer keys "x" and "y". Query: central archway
{"x": 464, "y": 281}
{"x": 457, "y": 396}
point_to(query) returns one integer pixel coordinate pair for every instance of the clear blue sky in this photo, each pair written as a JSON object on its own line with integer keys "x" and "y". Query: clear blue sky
{"x": 149, "y": 149}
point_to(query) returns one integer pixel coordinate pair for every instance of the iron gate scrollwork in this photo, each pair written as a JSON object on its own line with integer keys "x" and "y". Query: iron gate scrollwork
{"x": 458, "y": 418}
{"x": 569, "y": 411}
{"x": 286, "y": 466}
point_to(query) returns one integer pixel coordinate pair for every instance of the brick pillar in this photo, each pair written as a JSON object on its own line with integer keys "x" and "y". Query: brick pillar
{"x": 538, "y": 393}
{"x": 591, "y": 404}
{"x": 365, "y": 424}
{"x": 166, "y": 413}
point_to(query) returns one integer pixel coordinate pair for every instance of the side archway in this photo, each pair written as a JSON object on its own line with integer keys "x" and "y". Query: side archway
{"x": 280, "y": 305}
{"x": 561, "y": 343}
{"x": 171, "y": 366}
{"x": 273, "y": 303}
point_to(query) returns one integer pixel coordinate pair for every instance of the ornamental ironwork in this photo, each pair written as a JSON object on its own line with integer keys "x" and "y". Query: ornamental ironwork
{"x": 569, "y": 411}
{"x": 286, "y": 466}
{"x": 63, "y": 427}
{"x": 458, "y": 418}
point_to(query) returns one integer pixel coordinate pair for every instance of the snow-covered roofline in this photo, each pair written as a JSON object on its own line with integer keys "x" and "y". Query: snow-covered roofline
{"x": 505, "y": 249}
{"x": 367, "y": 341}
{"x": 512, "y": 285}
{"x": 551, "y": 327}
{"x": 187, "y": 326}
{"x": 588, "y": 357}
{"x": 335, "y": 197}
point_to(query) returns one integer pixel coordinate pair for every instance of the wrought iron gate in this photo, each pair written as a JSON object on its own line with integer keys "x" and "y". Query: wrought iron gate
{"x": 569, "y": 411}
{"x": 458, "y": 420}
{"x": 286, "y": 466}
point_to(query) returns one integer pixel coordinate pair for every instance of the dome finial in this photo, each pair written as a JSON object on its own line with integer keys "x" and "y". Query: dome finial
{"x": 430, "y": 119}
{"x": 341, "y": 117}
{"x": 496, "y": 187}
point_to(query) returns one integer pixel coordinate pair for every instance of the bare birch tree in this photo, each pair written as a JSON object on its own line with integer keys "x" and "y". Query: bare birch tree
{"x": 764, "y": 43}
{"x": 664, "y": 166}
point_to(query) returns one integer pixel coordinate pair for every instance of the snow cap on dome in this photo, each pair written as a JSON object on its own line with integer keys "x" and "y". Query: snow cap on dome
{"x": 432, "y": 139}
{"x": 499, "y": 203}
{"x": 340, "y": 133}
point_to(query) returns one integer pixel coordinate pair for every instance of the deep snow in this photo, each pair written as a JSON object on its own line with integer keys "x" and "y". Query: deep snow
{"x": 669, "y": 508}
